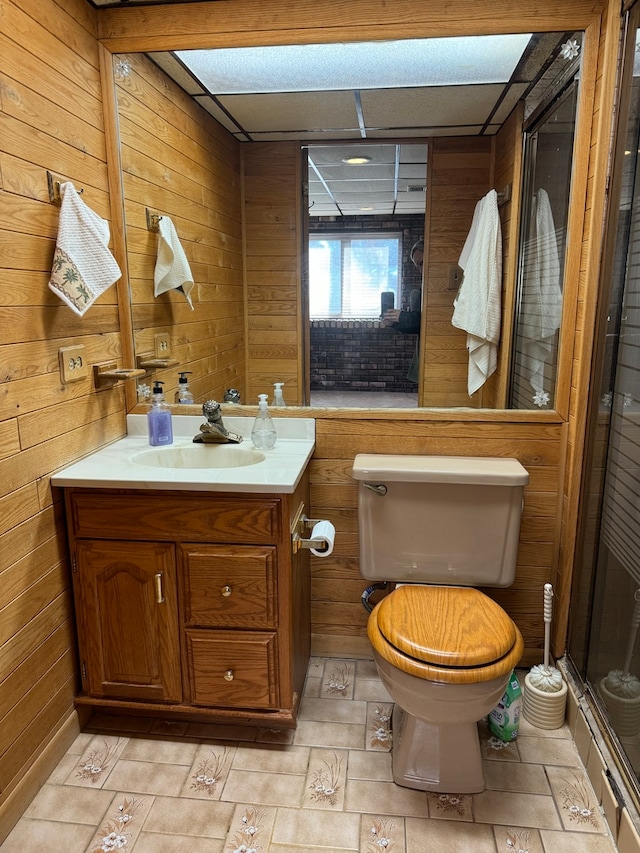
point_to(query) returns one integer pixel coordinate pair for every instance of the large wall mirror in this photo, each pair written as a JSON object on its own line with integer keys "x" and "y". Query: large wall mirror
{"x": 298, "y": 254}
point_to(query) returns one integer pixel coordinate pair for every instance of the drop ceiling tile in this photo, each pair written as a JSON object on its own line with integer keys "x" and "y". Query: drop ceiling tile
{"x": 310, "y": 111}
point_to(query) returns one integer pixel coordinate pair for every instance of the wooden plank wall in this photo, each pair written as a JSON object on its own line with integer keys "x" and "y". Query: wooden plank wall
{"x": 459, "y": 174}
{"x": 338, "y": 618}
{"x": 50, "y": 119}
{"x": 271, "y": 194}
{"x": 179, "y": 162}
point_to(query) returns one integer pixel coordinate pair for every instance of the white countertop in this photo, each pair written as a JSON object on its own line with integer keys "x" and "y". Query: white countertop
{"x": 113, "y": 466}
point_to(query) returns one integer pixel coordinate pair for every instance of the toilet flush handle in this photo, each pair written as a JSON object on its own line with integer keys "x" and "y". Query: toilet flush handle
{"x": 379, "y": 489}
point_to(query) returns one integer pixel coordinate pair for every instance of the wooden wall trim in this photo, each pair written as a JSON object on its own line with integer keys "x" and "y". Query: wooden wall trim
{"x": 249, "y": 22}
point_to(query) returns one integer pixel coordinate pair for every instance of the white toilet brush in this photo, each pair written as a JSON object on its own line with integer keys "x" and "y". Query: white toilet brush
{"x": 545, "y": 692}
{"x": 620, "y": 689}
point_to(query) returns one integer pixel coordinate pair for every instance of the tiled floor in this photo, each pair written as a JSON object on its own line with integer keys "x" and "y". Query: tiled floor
{"x": 324, "y": 788}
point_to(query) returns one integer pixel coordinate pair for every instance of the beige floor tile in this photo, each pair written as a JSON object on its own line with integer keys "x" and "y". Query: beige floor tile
{"x": 382, "y": 833}
{"x": 312, "y": 687}
{"x": 209, "y": 771}
{"x": 326, "y": 780}
{"x": 122, "y": 823}
{"x": 269, "y": 789}
{"x": 35, "y": 835}
{"x": 339, "y": 735}
{"x": 366, "y": 670}
{"x": 518, "y": 838}
{"x": 154, "y": 842}
{"x": 575, "y": 799}
{"x": 184, "y": 816}
{"x": 548, "y": 751}
{"x": 379, "y": 736}
{"x": 511, "y": 776}
{"x": 526, "y": 729}
{"x": 309, "y": 828}
{"x": 160, "y": 751}
{"x": 52, "y": 802}
{"x": 576, "y": 842}
{"x": 450, "y": 806}
{"x": 369, "y": 690}
{"x": 276, "y": 736}
{"x": 315, "y": 668}
{"x": 268, "y": 758}
{"x": 338, "y": 679}
{"x": 507, "y": 808}
{"x": 60, "y": 773}
{"x": 97, "y": 762}
{"x": 146, "y": 777}
{"x": 385, "y": 798}
{"x": 296, "y": 848}
{"x": 330, "y": 711}
{"x": 374, "y": 766}
{"x": 449, "y": 836}
{"x": 251, "y": 828}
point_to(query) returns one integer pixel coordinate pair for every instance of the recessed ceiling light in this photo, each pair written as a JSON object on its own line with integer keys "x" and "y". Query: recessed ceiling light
{"x": 356, "y": 160}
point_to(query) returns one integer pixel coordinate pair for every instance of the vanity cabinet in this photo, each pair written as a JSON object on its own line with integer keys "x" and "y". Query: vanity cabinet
{"x": 190, "y": 605}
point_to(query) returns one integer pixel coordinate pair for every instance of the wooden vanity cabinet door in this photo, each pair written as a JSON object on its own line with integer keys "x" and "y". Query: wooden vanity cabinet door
{"x": 126, "y": 601}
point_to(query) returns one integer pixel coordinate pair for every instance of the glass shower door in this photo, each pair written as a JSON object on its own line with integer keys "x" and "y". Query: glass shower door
{"x": 604, "y": 643}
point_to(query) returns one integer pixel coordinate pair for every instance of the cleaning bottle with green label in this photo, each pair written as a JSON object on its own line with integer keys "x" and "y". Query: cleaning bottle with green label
{"x": 504, "y": 720}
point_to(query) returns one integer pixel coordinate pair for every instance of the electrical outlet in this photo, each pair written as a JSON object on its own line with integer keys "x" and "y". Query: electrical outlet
{"x": 73, "y": 364}
{"x": 162, "y": 345}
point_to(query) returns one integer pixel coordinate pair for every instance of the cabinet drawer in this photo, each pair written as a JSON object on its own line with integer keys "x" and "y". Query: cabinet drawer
{"x": 179, "y": 516}
{"x": 232, "y": 586}
{"x": 232, "y": 668}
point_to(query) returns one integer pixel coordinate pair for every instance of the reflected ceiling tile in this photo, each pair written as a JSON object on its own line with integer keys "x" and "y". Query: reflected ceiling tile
{"x": 510, "y": 100}
{"x": 444, "y": 105}
{"x": 290, "y": 112}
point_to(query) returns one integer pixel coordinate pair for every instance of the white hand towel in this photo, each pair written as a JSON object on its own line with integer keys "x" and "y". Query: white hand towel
{"x": 541, "y": 304}
{"x": 172, "y": 270}
{"x": 477, "y": 305}
{"x": 83, "y": 267}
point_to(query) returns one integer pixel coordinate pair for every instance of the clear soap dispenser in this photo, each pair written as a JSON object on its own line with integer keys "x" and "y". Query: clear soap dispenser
{"x": 263, "y": 433}
{"x": 159, "y": 418}
{"x": 278, "y": 399}
{"x": 183, "y": 394}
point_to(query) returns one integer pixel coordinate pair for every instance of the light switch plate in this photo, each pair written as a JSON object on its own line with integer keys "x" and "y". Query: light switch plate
{"x": 73, "y": 364}
{"x": 162, "y": 345}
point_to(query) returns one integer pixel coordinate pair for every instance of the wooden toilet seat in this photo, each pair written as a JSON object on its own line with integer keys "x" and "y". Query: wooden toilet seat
{"x": 454, "y": 635}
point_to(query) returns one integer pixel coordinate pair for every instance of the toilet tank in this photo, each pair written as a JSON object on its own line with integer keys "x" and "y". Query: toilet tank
{"x": 439, "y": 519}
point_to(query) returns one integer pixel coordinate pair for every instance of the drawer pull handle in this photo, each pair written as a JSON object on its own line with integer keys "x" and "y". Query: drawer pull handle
{"x": 159, "y": 592}
{"x": 226, "y": 591}
{"x": 228, "y": 676}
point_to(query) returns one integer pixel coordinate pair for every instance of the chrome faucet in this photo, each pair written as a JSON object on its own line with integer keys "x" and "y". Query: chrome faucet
{"x": 214, "y": 431}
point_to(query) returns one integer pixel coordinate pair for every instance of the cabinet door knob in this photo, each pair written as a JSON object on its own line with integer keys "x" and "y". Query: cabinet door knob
{"x": 228, "y": 676}
{"x": 226, "y": 591}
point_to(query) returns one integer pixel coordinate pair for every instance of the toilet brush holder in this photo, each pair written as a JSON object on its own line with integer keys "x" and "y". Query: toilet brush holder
{"x": 623, "y": 710}
{"x": 543, "y": 709}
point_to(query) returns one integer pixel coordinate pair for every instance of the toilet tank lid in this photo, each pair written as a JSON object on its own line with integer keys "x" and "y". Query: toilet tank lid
{"x": 487, "y": 470}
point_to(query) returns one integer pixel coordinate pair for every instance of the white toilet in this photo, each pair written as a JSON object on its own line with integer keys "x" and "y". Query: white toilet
{"x": 438, "y": 526}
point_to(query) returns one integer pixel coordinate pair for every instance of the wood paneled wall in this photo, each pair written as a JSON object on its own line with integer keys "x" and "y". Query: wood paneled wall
{"x": 272, "y": 194}
{"x": 179, "y": 162}
{"x": 459, "y": 174}
{"x": 50, "y": 119}
{"x": 338, "y": 617}
{"x": 51, "y": 114}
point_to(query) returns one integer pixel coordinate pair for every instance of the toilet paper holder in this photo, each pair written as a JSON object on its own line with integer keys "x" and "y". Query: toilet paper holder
{"x": 301, "y": 525}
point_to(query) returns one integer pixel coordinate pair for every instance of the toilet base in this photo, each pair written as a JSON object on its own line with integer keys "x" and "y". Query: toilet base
{"x": 436, "y": 758}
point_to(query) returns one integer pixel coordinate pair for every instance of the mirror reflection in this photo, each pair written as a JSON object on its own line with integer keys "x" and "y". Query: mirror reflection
{"x": 291, "y": 285}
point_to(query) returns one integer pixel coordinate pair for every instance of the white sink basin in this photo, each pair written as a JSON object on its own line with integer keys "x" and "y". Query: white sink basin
{"x": 200, "y": 456}
{"x": 129, "y": 462}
